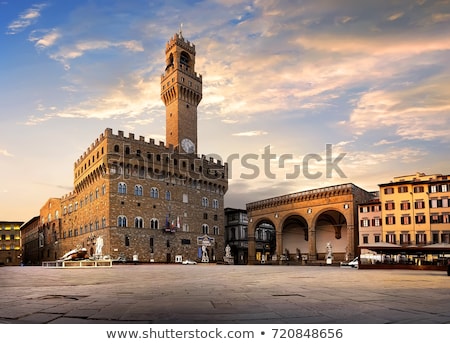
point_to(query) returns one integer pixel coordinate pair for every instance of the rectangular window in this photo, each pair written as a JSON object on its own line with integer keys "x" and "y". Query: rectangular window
{"x": 445, "y": 238}
{"x": 420, "y": 219}
{"x": 419, "y": 204}
{"x": 388, "y": 191}
{"x": 421, "y": 238}
{"x": 433, "y": 188}
{"x": 435, "y": 203}
{"x": 405, "y": 238}
{"x": 390, "y": 238}
{"x": 445, "y": 218}
{"x": 435, "y": 218}
{"x": 185, "y": 198}
{"x": 435, "y": 237}
{"x": 405, "y": 205}
{"x": 365, "y": 222}
{"x": 376, "y": 222}
{"x": 418, "y": 189}
{"x": 405, "y": 220}
{"x": 365, "y": 239}
{"x": 390, "y": 220}
{"x": 402, "y": 189}
{"x": 376, "y": 238}
{"x": 389, "y": 205}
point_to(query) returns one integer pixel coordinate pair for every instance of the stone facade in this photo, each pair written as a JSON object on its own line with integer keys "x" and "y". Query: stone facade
{"x": 145, "y": 200}
{"x": 307, "y": 222}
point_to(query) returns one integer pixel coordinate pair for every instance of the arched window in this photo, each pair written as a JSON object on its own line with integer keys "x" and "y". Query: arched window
{"x": 122, "y": 188}
{"x": 168, "y": 196}
{"x": 154, "y": 223}
{"x": 205, "y": 202}
{"x": 205, "y": 229}
{"x": 138, "y": 190}
{"x": 216, "y": 230}
{"x": 154, "y": 193}
{"x": 138, "y": 222}
{"x": 215, "y": 204}
{"x": 116, "y": 148}
{"x": 122, "y": 221}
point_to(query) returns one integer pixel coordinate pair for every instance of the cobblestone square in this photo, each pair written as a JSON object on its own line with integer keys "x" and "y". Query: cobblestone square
{"x": 223, "y": 294}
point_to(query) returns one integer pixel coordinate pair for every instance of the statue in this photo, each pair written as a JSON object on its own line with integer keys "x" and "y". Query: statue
{"x": 228, "y": 251}
{"x": 329, "y": 256}
{"x": 99, "y": 246}
{"x": 205, "y": 258}
{"x": 329, "y": 250}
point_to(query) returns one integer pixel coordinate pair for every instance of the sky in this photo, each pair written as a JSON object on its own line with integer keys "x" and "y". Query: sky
{"x": 296, "y": 94}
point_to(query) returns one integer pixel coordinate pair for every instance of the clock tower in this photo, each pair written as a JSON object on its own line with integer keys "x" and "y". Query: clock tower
{"x": 181, "y": 92}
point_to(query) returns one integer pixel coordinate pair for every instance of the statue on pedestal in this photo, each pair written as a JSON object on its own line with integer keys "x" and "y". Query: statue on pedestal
{"x": 205, "y": 258}
{"x": 228, "y": 259}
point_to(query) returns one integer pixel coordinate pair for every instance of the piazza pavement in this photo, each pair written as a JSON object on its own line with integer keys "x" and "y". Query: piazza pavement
{"x": 222, "y": 294}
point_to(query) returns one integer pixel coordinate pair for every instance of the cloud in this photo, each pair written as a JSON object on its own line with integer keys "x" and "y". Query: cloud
{"x": 4, "y": 152}
{"x": 440, "y": 17}
{"x": 26, "y": 18}
{"x": 395, "y": 16}
{"x": 44, "y": 39}
{"x": 230, "y": 121}
{"x": 419, "y": 111}
{"x": 251, "y": 133}
{"x": 132, "y": 98}
{"x": 70, "y": 52}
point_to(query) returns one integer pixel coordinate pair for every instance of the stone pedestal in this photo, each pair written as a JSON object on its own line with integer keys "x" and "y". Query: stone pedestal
{"x": 228, "y": 260}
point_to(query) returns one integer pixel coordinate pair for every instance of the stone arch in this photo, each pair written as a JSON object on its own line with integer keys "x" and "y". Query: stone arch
{"x": 264, "y": 238}
{"x": 295, "y": 235}
{"x": 331, "y": 226}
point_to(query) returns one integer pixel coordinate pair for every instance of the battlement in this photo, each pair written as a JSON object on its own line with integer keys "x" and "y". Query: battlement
{"x": 131, "y": 138}
{"x": 120, "y": 135}
{"x": 178, "y": 39}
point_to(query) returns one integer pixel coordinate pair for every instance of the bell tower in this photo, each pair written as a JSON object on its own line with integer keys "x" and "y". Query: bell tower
{"x": 181, "y": 92}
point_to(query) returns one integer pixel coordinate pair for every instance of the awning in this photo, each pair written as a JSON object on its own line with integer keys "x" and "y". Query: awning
{"x": 388, "y": 248}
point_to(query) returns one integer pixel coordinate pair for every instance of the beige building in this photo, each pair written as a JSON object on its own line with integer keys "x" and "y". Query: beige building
{"x": 137, "y": 199}
{"x": 309, "y": 225}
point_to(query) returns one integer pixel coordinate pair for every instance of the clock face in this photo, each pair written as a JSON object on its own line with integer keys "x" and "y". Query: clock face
{"x": 188, "y": 146}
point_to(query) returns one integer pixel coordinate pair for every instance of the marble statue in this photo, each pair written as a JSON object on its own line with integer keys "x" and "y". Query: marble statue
{"x": 99, "y": 246}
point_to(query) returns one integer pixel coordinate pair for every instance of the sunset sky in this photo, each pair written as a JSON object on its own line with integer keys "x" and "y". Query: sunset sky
{"x": 370, "y": 79}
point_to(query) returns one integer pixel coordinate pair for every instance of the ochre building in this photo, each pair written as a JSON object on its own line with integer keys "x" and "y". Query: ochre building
{"x": 415, "y": 220}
